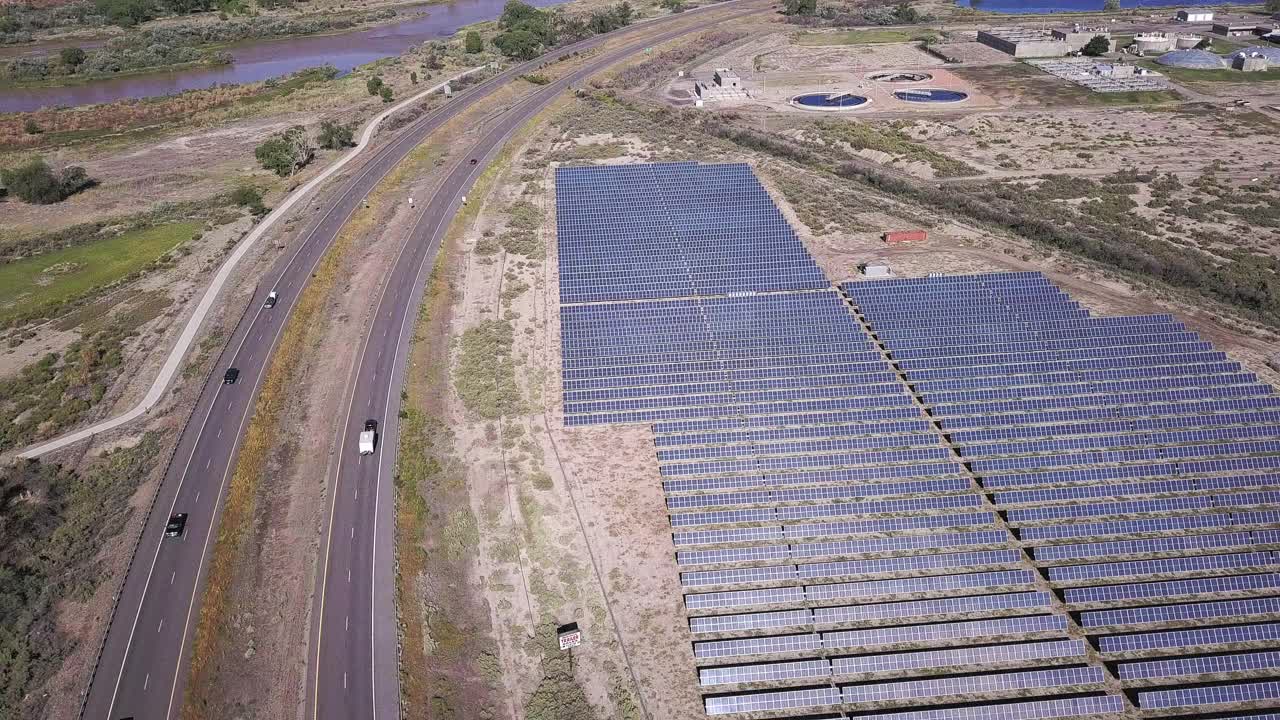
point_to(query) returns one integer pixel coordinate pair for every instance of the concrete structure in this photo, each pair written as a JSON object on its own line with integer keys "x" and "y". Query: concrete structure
{"x": 1163, "y": 42}
{"x": 1198, "y": 15}
{"x": 1250, "y": 63}
{"x": 725, "y": 85}
{"x": 1024, "y": 42}
{"x": 900, "y": 236}
{"x": 1079, "y": 36}
{"x": 1103, "y": 77}
{"x": 1229, "y": 30}
{"x": 875, "y": 270}
{"x": 1114, "y": 71}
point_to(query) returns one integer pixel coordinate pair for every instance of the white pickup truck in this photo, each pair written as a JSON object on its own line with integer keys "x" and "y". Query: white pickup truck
{"x": 369, "y": 438}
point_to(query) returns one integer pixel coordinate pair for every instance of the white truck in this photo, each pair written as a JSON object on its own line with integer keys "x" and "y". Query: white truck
{"x": 369, "y": 437}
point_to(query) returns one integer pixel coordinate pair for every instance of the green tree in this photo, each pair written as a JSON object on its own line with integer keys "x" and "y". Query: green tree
{"x": 518, "y": 44}
{"x": 373, "y": 85}
{"x": 386, "y": 93}
{"x": 126, "y": 13}
{"x": 31, "y": 127}
{"x": 286, "y": 153}
{"x": 1273, "y": 6}
{"x": 1110, "y": 5}
{"x": 413, "y": 78}
{"x": 35, "y": 182}
{"x": 1097, "y": 45}
{"x": 335, "y": 136}
{"x": 72, "y": 57}
{"x": 799, "y": 7}
{"x": 474, "y": 42}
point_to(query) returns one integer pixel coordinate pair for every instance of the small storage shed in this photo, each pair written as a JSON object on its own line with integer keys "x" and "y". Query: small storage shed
{"x": 898, "y": 236}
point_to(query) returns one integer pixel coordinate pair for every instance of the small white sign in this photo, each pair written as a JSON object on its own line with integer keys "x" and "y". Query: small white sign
{"x": 570, "y": 639}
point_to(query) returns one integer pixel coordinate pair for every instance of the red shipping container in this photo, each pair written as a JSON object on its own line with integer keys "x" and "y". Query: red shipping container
{"x": 897, "y": 236}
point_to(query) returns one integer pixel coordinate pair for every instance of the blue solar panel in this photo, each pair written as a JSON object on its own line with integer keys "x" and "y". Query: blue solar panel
{"x": 1212, "y": 695}
{"x": 1185, "y": 639}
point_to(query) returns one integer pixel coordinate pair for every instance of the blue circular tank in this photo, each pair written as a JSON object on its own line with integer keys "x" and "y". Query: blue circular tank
{"x": 930, "y": 95}
{"x": 830, "y": 101}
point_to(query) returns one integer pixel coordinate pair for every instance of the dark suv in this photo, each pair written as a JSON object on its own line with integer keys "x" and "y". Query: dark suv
{"x": 230, "y": 376}
{"x": 177, "y": 525}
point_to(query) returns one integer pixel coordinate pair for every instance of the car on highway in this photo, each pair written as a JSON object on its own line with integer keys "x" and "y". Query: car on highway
{"x": 177, "y": 525}
{"x": 272, "y": 298}
{"x": 369, "y": 437}
{"x": 230, "y": 376}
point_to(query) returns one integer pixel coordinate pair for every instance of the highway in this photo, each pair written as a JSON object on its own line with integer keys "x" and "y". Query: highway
{"x": 353, "y": 672}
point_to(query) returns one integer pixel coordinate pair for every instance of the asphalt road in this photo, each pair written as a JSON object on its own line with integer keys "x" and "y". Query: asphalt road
{"x": 142, "y": 669}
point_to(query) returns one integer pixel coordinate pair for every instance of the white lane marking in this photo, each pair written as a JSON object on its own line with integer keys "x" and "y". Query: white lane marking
{"x": 219, "y": 432}
{"x": 172, "y": 575}
{"x": 161, "y": 627}
{"x": 344, "y": 681}
{"x": 346, "y": 625}
{"x": 206, "y": 463}
{"x": 146, "y": 681}
{"x": 229, "y": 407}
{"x": 197, "y": 497}
{"x": 353, "y": 532}
{"x": 348, "y": 574}
{"x": 357, "y": 494}
{"x": 146, "y": 585}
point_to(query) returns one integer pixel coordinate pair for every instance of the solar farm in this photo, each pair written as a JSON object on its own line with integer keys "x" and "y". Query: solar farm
{"x": 945, "y": 498}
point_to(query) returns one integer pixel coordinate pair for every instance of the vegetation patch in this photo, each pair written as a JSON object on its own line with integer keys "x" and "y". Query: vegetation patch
{"x": 889, "y": 139}
{"x": 38, "y": 286}
{"x": 485, "y": 376}
{"x": 865, "y": 37}
{"x": 51, "y": 534}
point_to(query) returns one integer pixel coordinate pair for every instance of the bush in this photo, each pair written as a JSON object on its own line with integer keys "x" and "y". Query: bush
{"x": 799, "y": 7}
{"x": 474, "y": 43}
{"x": 335, "y": 136}
{"x": 286, "y": 153}
{"x": 72, "y": 57}
{"x": 37, "y": 183}
{"x": 125, "y": 13}
{"x": 1096, "y": 46}
{"x": 373, "y": 85}
{"x": 250, "y": 197}
{"x": 386, "y": 93}
{"x": 31, "y": 127}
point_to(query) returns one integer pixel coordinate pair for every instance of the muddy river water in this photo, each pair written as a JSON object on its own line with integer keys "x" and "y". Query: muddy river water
{"x": 262, "y": 59}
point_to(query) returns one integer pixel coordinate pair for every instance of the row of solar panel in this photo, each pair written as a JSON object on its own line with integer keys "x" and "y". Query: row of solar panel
{"x": 953, "y": 521}
{"x": 868, "y": 546}
{"x": 947, "y": 335}
{"x": 906, "y": 690}
{"x": 1077, "y": 377}
{"x": 1173, "y": 442}
{"x": 1000, "y": 370}
{"x": 849, "y": 568}
{"x": 868, "y": 442}
{"x": 989, "y": 630}
{"x": 954, "y": 608}
{"x": 1062, "y": 430}
{"x": 797, "y": 594}
{"x": 786, "y": 434}
{"x": 777, "y": 515}
{"x": 1116, "y": 490}
{"x": 814, "y": 477}
{"x": 814, "y": 494}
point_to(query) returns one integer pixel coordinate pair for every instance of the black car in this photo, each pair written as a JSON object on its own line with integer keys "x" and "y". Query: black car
{"x": 230, "y": 376}
{"x": 370, "y": 425}
{"x": 177, "y": 525}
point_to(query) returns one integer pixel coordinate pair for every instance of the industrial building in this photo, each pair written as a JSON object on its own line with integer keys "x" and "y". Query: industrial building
{"x": 1192, "y": 60}
{"x": 1150, "y": 42}
{"x": 1023, "y": 42}
{"x": 1229, "y": 30}
{"x": 725, "y": 85}
{"x": 1198, "y": 15}
{"x": 1079, "y": 36}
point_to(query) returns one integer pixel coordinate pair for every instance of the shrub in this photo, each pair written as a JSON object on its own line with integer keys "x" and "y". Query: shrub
{"x": 250, "y": 197}
{"x": 286, "y": 153}
{"x": 799, "y": 7}
{"x": 386, "y": 93}
{"x": 72, "y": 57}
{"x": 373, "y": 85}
{"x": 37, "y": 183}
{"x": 335, "y": 136}
{"x": 31, "y": 127}
{"x": 125, "y": 13}
{"x": 474, "y": 43}
{"x": 1096, "y": 46}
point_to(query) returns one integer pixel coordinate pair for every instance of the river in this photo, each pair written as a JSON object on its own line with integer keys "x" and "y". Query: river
{"x": 257, "y": 60}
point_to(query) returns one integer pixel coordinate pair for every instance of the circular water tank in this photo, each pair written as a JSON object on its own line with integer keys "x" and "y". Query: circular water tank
{"x": 1193, "y": 59}
{"x": 1186, "y": 42}
{"x": 1151, "y": 42}
{"x": 1272, "y": 54}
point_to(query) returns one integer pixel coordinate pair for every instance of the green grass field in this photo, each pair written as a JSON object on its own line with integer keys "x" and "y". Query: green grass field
{"x": 1225, "y": 75}
{"x": 862, "y": 37}
{"x": 32, "y": 287}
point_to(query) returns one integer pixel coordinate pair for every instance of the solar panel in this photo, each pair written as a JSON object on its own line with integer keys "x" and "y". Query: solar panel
{"x": 1179, "y": 639}
{"x": 1178, "y": 667}
{"x": 937, "y": 659}
{"x": 1091, "y": 706}
{"x": 1212, "y": 695}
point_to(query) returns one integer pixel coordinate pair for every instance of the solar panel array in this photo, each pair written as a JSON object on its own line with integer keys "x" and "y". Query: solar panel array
{"x": 956, "y": 497}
